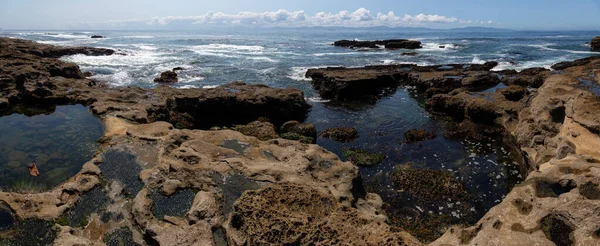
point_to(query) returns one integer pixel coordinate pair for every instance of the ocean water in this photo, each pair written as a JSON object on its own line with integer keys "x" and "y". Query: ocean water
{"x": 280, "y": 58}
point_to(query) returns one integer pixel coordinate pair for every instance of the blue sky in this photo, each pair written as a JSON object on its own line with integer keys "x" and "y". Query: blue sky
{"x": 160, "y": 14}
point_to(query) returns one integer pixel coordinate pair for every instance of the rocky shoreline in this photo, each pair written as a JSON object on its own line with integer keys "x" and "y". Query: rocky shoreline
{"x": 297, "y": 192}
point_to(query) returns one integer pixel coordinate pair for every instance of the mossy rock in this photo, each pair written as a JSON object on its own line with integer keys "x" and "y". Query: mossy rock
{"x": 362, "y": 157}
{"x": 297, "y": 137}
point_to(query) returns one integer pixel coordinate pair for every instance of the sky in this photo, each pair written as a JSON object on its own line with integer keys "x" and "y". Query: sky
{"x": 175, "y": 14}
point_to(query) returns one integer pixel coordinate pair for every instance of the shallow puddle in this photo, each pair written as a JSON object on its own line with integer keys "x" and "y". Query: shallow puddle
{"x": 6, "y": 218}
{"x": 58, "y": 143}
{"x": 120, "y": 237}
{"x": 482, "y": 172}
{"x": 176, "y": 205}
{"x": 91, "y": 202}
{"x": 30, "y": 232}
{"x": 590, "y": 85}
{"x": 122, "y": 167}
{"x": 236, "y": 145}
{"x": 233, "y": 186}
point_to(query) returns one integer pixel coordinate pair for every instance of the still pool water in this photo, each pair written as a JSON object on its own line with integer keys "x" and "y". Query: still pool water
{"x": 59, "y": 143}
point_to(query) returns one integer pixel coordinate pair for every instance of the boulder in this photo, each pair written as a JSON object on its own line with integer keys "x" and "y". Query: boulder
{"x": 97, "y": 36}
{"x": 178, "y": 69}
{"x": 259, "y": 129}
{"x": 167, "y": 77}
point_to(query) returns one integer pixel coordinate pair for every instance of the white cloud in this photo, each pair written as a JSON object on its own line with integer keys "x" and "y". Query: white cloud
{"x": 359, "y": 18}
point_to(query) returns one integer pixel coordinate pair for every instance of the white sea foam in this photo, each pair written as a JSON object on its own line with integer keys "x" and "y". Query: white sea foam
{"x": 188, "y": 86}
{"x": 227, "y": 50}
{"x": 477, "y": 60}
{"x": 133, "y": 59}
{"x": 547, "y": 63}
{"x": 122, "y": 78}
{"x": 210, "y": 86}
{"x": 298, "y": 74}
{"x": 356, "y": 53}
{"x": 437, "y": 47}
{"x": 318, "y": 100}
{"x": 145, "y": 46}
{"x": 262, "y": 58}
{"x": 547, "y": 47}
{"x": 138, "y": 37}
{"x": 229, "y": 47}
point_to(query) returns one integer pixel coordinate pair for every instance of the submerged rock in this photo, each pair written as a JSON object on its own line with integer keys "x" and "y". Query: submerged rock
{"x": 97, "y": 36}
{"x": 341, "y": 134}
{"x": 418, "y": 135}
{"x": 167, "y": 77}
{"x": 362, "y": 157}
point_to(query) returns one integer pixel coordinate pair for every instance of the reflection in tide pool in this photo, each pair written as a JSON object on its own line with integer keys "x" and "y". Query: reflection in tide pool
{"x": 59, "y": 143}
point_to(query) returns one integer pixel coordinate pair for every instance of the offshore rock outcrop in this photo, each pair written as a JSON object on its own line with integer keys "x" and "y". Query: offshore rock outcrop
{"x": 387, "y": 44}
{"x": 595, "y": 44}
{"x": 352, "y": 83}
